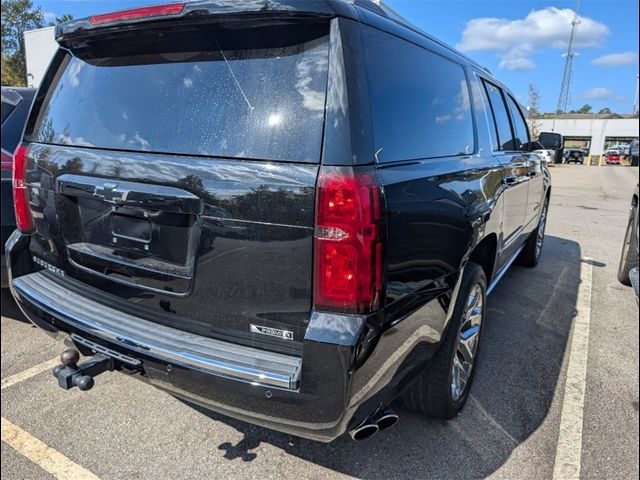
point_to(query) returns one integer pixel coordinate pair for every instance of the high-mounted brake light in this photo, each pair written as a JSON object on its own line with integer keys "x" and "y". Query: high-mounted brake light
{"x": 154, "y": 11}
{"x": 348, "y": 243}
{"x": 24, "y": 219}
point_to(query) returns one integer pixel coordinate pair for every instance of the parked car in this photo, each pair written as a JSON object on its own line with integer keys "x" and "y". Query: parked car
{"x": 628, "y": 269}
{"x": 575, "y": 155}
{"x": 16, "y": 103}
{"x": 546, "y": 155}
{"x": 633, "y": 152}
{"x": 386, "y": 181}
{"x": 612, "y": 157}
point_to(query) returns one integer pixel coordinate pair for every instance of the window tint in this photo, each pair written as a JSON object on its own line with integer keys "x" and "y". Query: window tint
{"x": 419, "y": 100}
{"x": 500, "y": 117}
{"x": 255, "y": 93}
{"x": 519, "y": 123}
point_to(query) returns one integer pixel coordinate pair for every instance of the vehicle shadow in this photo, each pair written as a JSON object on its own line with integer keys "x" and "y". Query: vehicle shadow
{"x": 9, "y": 308}
{"x": 529, "y": 320}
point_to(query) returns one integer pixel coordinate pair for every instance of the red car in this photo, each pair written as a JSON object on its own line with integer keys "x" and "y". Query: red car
{"x": 612, "y": 158}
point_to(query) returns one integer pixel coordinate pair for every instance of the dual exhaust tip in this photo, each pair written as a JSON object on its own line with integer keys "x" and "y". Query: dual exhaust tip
{"x": 381, "y": 420}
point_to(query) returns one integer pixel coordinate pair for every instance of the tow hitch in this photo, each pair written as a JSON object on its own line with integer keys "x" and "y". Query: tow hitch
{"x": 70, "y": 374}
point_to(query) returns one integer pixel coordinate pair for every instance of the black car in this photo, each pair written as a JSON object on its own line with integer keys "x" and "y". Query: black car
{"x": 634, "y": 148}
{"x": 628, "y": 268}
{"x": 575, "y": 155}
{"x": 16, "y": 103}
{"x": 375, "y": 183}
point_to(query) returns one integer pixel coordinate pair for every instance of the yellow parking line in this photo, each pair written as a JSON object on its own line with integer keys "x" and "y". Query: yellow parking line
{"x": 28, "y": 373}
{"x": 42, "y": 455}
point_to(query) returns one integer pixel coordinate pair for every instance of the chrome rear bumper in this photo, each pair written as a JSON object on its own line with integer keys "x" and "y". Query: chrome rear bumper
{"x": 167, "y": 344}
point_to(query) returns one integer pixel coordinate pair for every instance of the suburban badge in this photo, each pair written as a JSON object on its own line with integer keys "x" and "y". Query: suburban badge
{"x": 272, "y": 332}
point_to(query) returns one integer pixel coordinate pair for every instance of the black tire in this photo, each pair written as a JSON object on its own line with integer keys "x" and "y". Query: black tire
{"x": 431, "y": 393}
{"x": 629, "y": 256}
{"x": 530, "y": 255}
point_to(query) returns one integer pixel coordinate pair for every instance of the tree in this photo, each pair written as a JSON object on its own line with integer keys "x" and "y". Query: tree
{"x": 586, "y": 108}
{"x": 66, "y": 17}
{"x": 605, "y": 110}
{"x": 534, "y": 112}
{"x": 9, "y": 76}
{"x": 18, "y": 16}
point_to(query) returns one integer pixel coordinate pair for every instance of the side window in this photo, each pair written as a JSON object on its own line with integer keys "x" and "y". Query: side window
{"x": 420, "y": 104}
{"x": 519, "y": 123}
{"x": 500, "y": 117}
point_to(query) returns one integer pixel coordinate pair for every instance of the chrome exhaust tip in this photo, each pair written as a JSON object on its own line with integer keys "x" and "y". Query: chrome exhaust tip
{"x": 364, "y": 431}
{"x": 387, "y": 419}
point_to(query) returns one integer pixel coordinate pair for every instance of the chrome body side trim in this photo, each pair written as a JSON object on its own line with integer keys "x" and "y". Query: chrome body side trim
{"x": 503, "y": 270}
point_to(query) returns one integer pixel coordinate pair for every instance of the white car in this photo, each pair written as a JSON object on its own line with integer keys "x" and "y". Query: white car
{"x": 546, "y": 155}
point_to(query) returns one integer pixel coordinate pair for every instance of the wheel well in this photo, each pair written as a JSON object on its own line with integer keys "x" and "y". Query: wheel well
{"x": 485, "y": 254}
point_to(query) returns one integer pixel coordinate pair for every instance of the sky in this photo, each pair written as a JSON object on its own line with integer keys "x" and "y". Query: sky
{"x": 520, "y": 41}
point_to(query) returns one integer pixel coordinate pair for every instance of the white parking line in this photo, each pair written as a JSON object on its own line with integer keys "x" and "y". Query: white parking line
{"x": 569, "y": 449}
{"x": 42, "y": 455}
{"x": 28, "y": 373}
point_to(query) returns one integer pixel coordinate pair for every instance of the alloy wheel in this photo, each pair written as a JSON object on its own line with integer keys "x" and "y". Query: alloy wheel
{"x": 467, "y": 340}
{"x": 541, "y": 228}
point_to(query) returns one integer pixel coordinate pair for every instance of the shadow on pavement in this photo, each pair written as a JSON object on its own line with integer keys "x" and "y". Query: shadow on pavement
{"x": 529, "y": 320}
{"x": 9, "y": 307}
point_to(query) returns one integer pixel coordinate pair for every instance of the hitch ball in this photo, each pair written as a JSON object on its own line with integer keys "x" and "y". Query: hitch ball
{"x": 70, "y": 357}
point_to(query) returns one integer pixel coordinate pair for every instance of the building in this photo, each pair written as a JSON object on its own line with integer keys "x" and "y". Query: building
{"x": 39, "y": 47}
{"x": 596, "y": 132}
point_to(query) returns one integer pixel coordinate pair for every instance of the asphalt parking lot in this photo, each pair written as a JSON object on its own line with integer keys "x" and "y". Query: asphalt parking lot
{"x": 510, "y": 429}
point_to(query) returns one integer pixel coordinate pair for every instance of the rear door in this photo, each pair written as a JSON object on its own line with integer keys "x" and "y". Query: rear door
{"x": 515, "y": 170}
{"x": 535, "y": 190}
{"x": 176, "y": 168}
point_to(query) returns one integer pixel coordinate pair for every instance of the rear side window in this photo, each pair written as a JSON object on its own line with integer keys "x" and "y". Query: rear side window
{"x": 500, "y": 118}
{"x": 419, "y": 100}
{"x": 247, "y": 93}
{"x": 519, "y": 123}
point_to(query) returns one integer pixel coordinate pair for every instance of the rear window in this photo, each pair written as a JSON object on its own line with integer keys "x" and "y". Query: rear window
{"x": 247, "y": 93}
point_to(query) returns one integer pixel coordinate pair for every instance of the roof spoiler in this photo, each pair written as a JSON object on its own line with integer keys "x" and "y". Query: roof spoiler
{"x": 199, "y": 10}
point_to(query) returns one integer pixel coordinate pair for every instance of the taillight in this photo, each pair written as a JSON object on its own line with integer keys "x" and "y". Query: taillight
{"x": 348, "y": 242}
{"x": 154, "y": 11}
{"x": 24, "y": 220}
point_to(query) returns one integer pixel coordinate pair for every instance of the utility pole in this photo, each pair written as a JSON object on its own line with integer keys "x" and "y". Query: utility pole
{"x": 565, "y": 88}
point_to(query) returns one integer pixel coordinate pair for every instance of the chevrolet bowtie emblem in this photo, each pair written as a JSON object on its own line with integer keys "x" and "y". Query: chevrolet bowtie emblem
{"x": 109, "y": 192}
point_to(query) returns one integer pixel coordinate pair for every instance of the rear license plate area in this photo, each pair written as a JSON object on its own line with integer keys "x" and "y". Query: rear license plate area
{"x": 129, "y": 227}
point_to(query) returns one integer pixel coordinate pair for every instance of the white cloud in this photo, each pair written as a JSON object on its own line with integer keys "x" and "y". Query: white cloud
{"x": 516, "y": 41}
{"x": 49, "y": 17}
{"x": 516, "y": 64}
{"x": 616, "y": 59}
{"x": 597, "y": 93}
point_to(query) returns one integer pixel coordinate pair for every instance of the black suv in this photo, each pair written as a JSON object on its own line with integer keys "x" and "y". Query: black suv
{"x": 16, "y": 102}
{"x": 289, "y": 212}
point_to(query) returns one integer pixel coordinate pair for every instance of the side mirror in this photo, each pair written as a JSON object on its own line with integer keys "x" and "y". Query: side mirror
{"x": 531, "y": 146}
{"x": 550, "y": 140}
